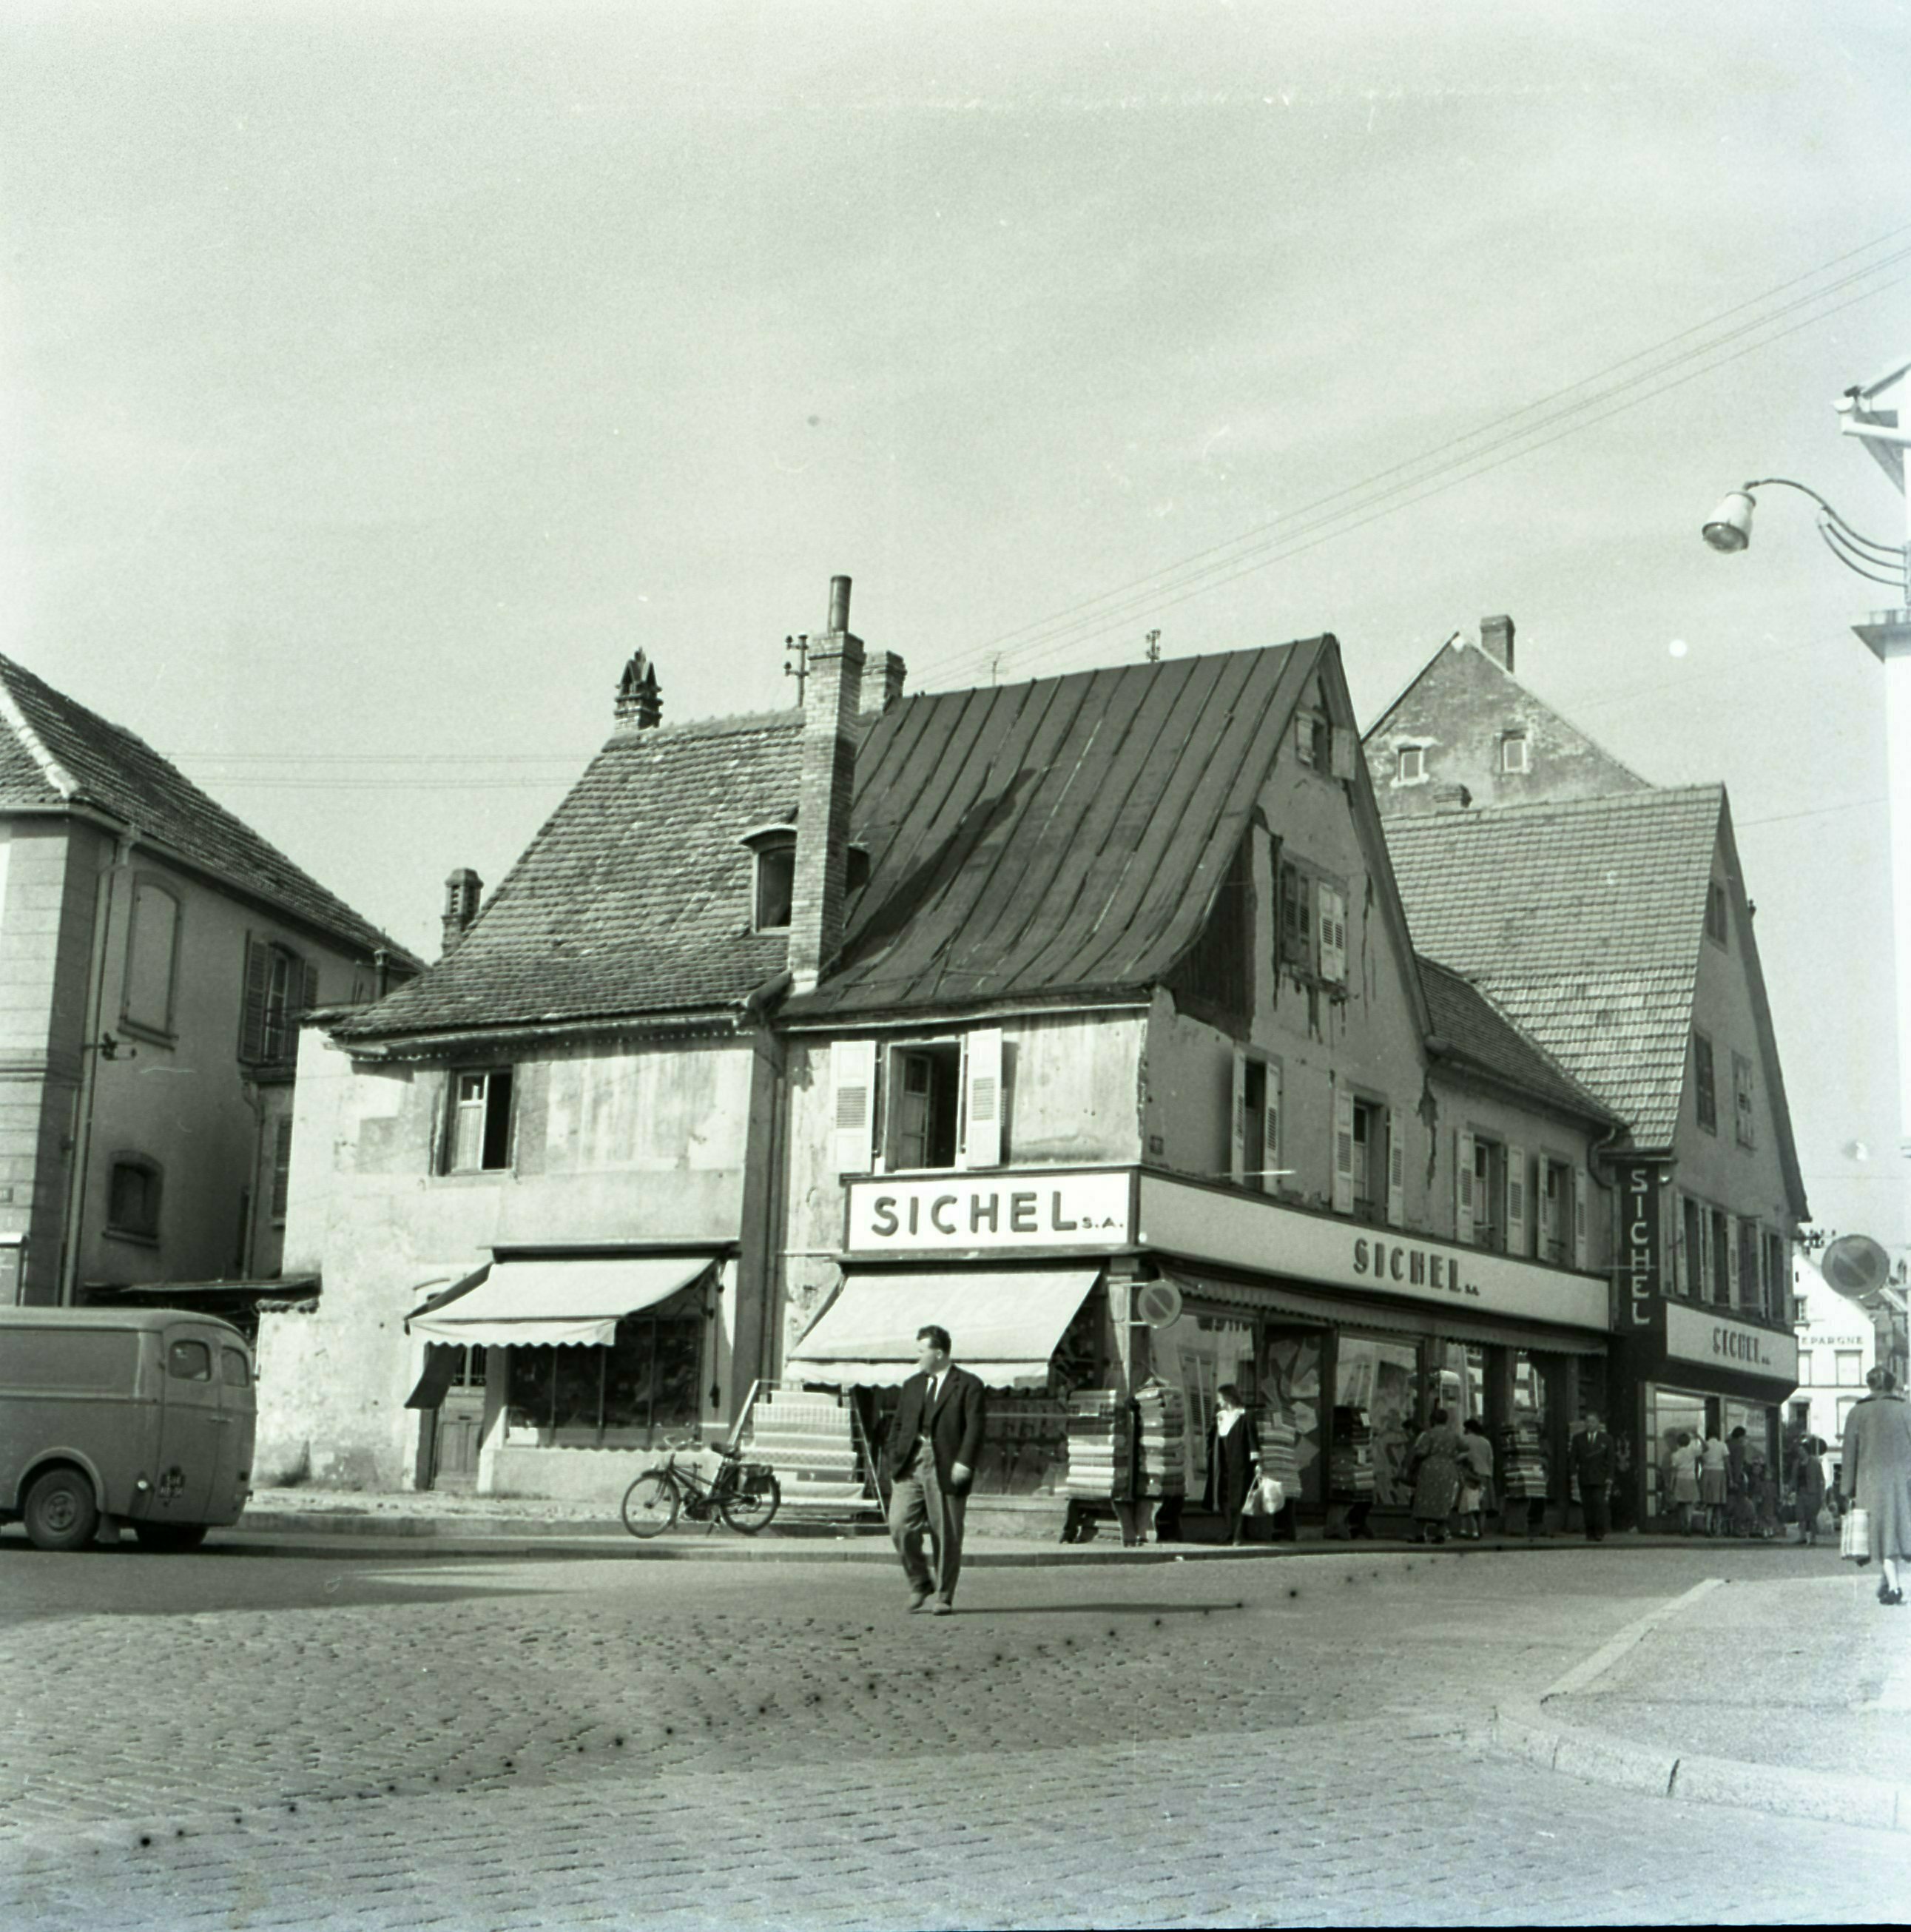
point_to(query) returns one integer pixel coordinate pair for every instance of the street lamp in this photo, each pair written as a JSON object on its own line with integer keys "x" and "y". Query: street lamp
{"x": 1873, "y": 413}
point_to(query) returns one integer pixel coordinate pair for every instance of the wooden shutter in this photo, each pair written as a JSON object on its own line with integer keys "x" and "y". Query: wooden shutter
{"x": 308, "y": 991}
{"x": 1463, "y": 1186}
{"x": 1516, "y": 1199}
{"x": 1343, "y": 752}
{"x": 852, "y": 1082}
{"x": 1705, "y": 1254}
{"x": 1582, "y": 1223}
{"x": 1238, "y": 1122}
{"x": 1682, "y": 1258}
{"x": 1334, "y": 935}
{"x": 1732, "y": 1269}
{"x": 1270, "y": 1137}
{"x": 252, "y": 1006}
{"x": 1343, "y": 1151}
{"x": 281, "y": 1165}
{"x": 1397, "y": 1167}
{"x": 982, "y": 1098}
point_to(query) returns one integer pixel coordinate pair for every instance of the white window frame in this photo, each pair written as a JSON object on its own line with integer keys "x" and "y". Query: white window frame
{"x": 1510, "y": 766}
{"x": 1418, "y": 774}
{"x": 462, "y": 1110}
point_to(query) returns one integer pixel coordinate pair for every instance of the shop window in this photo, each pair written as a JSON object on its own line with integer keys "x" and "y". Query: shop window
{"x": 280, "y": 987}
{"x": 1850, "y": 1366}
{"x": 134, "y": 1188}
{"x": 477, "y": 1134}
{"x": 1512, "y": 754}
{"x": 1375, "y": 1419}
{"x": 1410, "y": 765}
{"x": 1715, "y": 925}
{"x": 152, "y": 958}
{"x": 648, "y": 1380}
{"x": 1743, "y": 1122}
{"x": 1705, "y": 1095}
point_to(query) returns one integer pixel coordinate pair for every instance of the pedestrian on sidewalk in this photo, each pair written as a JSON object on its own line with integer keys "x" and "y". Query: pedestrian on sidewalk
{"x": 1234, "y": 1462}
{"x": 1476, "y": 1478}
{"x": 1711, "y": 1484}
{"x": 1808, "y": 1485}
{"x": 933, "y": 1447}
{"x": 1592, "y": 1464}
{"x": 1876, "y": 1476}
{"x": 1686, "y": 1456}
{"x": 1434, "y": 1464}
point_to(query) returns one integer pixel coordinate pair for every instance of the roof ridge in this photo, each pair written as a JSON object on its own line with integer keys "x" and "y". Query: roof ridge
{"x": 55, "y": 774}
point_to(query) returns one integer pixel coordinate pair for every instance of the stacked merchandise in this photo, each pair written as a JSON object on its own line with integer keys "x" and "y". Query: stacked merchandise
{"x": 1350, "y": 1462}
{"x": 1162, "y": 1412}
{"x": 1280, "y": 1453}
{"x": 1100, "y": 1445}
{"x": 808, "y": 1437}
{"x": 1522, "y": 1461}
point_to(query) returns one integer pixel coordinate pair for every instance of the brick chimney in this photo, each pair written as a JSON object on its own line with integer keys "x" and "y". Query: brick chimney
{"x": 462, "y": 891}
{"x": 1496, "y": 641}
{"x": 882, "y": 675}
{"x": 832, "y": 694}
{"x": 640, "y": 703}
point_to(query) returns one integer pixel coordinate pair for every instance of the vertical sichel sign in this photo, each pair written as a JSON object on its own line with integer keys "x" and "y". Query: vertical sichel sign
{"x": 1639, "y": 1247}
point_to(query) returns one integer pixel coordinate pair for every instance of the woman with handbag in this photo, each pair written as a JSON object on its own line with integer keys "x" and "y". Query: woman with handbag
{"x": 1434, "y": 1466}
{"x": 1876, "y": 1479}
{"x": 1234, "y": 1462}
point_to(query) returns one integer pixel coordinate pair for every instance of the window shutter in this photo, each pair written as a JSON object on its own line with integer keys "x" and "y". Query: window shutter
{"x": 281, "y": 1166}
{"x": 1682, "y": 1257}
{"x": 1705, "y": 1254}
{"x": 853, "y": 1079}
{"x": 1732, "y": 1269}
{"x": 308, "y": 993}
{"x": 1270, "y": 1139}
{"x": 982, "y": 1098}
{"x": 1334, "y": 935}
{"x": 1343, "y": 1151}
{"x": 1397, "y": 1167}
{"x": 1516, "y": 1199}
{"x": 252, "y": 1008}
{"x": 1238, "y": 1122}
{"x": 1463, "y": 1186}
{"x": 1342, "y": 751}
{"x": 1582, "y": 1227}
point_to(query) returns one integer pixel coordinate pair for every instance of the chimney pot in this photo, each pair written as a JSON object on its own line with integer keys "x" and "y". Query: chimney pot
{"x": 839, "y": 604}
{"x": 463, "y": 890}
{"x": 640, "y": 703}
{"x": 1496, "y": 641}
{"x": 832, "y": 697}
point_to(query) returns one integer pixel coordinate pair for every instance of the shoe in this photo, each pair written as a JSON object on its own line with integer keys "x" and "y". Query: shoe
{"x": 917, "y": 1599}
{"x": 940, "y": 1609}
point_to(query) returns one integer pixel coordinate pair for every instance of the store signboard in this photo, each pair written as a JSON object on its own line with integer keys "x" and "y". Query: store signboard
{"x": 963, "y": 1213}
{"x": 1640, "y": 1268}
{"x": 1243, "y": 1231}
{"x": 1699, "y": 1334}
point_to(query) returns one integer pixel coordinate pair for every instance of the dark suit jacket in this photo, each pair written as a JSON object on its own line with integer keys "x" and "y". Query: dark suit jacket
{"x": 1592, "y": 1458}
{"x": 955, "y": 1429}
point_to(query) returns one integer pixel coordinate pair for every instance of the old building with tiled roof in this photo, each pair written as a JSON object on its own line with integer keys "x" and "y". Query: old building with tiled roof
{"x": 1080, "y": 1015}
{"x": 1467, "y": 730}
{"x": 1617, "y": 934}
{"x": 157, "y": 952}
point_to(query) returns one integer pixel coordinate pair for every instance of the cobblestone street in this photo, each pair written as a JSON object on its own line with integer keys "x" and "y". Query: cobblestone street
{"x": 507, "y": 1744}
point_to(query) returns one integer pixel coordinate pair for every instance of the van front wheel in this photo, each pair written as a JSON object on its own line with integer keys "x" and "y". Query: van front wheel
{"x": 60, "y": 1512}
{"x": 169, "y": 1536}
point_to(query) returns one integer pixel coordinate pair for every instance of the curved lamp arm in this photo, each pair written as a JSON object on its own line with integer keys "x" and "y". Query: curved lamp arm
{"x": 1730, "y": 529}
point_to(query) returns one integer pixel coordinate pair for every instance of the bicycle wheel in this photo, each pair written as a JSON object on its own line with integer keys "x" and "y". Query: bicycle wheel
{"x": 651, "y": 1503}
{"x": 750, "y": 1505}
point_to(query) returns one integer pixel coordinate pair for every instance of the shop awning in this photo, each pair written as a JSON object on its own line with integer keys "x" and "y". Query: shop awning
{"x": 551, "y": 1302}
{"x": 1005, "y": 1324}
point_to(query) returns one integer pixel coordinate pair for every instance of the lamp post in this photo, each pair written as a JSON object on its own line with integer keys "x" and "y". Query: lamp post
{"x": 1872, "y": 413}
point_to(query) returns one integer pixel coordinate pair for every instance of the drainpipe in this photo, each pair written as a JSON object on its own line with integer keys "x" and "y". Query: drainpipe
{"x": 89, "y": 1065}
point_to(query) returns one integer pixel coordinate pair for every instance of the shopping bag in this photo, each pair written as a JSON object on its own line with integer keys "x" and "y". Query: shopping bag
{"x": 1855, "y": 1536}
{"x": 1271, "y": 1496}
{"x": 1251, "y": 1505}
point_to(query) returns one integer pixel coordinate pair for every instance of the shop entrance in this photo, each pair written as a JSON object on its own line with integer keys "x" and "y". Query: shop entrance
{"x": 455, "y": 1425}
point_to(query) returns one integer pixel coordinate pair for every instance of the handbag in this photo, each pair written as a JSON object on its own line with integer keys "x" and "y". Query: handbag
{"x": 1855, "y": 1536}
{"x": 1272, "y": 1495}
{"x": 1255, "y": 1502}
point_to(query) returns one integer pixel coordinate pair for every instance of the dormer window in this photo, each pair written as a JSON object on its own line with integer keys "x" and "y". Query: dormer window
{"x": 774, "y": 849}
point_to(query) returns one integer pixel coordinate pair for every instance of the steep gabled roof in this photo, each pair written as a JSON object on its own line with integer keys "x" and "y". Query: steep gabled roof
{"x": 1583, "y": 921}
{"x": 634, "y": 898}
{"x": 1471, "y": 1031}
{"x": 1062, "y": 837}
{"x": 55, "y": 752}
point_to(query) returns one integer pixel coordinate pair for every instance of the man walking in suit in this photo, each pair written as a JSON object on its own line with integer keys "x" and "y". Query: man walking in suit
{"x": 933, "y": 1446}
{"x": 1592, "y": 1463}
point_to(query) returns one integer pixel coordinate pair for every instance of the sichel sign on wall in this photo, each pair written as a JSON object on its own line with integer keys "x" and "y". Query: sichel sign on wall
{"x": 955, "y": 1212}
{"x": 1640, "y": 1269}
{"x": 1696, "y": 1334}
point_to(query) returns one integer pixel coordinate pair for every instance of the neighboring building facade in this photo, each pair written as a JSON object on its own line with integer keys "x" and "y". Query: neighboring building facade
{"x": 1616, "y": 932}
{"x": 1466, "y": 732}
{"x": 1837, "y": 1348}
{"x": 1080, "y": 1015}
{"x": 156, "y": 953}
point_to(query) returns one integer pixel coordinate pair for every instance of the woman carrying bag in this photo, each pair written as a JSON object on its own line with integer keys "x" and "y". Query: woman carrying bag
{"x": 1434, "y": 1463}
{"x": 1877, "y": 1481}
{"x": 1234, "y": 1462}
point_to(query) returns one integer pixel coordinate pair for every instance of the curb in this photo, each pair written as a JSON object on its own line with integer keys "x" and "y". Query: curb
{"x": 1528, "y": 1731}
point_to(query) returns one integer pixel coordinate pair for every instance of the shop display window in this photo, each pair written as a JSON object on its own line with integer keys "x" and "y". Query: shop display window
{"x": 1463, "y": 1382}
{"x": 1668, "y": 1414}
{"x": 646, "y": 1383}
{"x": 1376, "y": 1392}
{"x": 1197, "y": 1354}
{"x": 1289, "y": 1387}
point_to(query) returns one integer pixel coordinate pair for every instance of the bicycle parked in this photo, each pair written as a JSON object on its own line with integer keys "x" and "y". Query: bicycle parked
{"x": 745, "y": 1494}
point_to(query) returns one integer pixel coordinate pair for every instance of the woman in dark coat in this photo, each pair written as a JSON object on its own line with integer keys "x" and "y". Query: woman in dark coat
{"x": 1438, "y": 1457}
{"x": 1876, "y": 1476}
{"x": 1234, "y": 1461}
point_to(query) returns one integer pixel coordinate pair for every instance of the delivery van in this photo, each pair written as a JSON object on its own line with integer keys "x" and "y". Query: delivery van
{"x": 143, "y": 1416}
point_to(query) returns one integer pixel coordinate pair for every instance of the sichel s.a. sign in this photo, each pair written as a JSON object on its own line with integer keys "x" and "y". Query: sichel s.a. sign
{"x": 954, "y": 1212}
{"x": 1697, "y": 1333}
{"x": 1640, "y": 1268}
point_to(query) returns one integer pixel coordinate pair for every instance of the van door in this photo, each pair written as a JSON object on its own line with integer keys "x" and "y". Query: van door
{"x": 238, "y": 1420}
{"x": 191, "y": 1431}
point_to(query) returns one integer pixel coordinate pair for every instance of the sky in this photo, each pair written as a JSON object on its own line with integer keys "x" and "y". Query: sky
{"x": 374, "y": 379}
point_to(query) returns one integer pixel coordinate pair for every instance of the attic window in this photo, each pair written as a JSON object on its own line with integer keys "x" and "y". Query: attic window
{"x": 1410, "y": 767}
{"x": 1313, "y": 740}
{"x": 774, "y": 848}
{"x": 1513, "y": 753}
